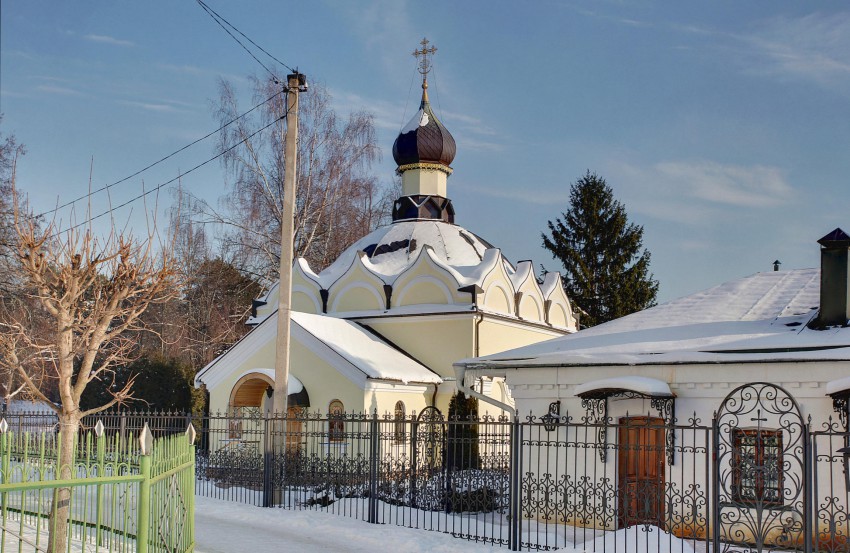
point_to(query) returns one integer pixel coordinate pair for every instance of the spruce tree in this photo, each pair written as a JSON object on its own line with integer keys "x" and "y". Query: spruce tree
{"x": 606, "y": 267}
{"x": 462, "y": 436}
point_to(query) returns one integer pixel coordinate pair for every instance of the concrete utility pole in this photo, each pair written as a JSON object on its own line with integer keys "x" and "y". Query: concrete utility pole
{"x": 296, "y": 83}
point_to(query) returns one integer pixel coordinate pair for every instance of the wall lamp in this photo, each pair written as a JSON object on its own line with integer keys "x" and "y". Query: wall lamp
{"x": 553, "y": 417}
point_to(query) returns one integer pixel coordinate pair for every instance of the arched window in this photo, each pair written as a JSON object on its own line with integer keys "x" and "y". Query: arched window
{"x": 400, "y": 430}
{"x": 336, "y": 423}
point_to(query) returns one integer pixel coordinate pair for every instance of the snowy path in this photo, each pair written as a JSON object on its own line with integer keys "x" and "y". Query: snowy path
{"x": 226, "y": 527}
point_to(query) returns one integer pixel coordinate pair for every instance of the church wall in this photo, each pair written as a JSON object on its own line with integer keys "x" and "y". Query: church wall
{"x": 262, "y": 357}
{"x": 530, "y": 309}
{"x": 321, "y": 380}
{"x": 497, "y": 335}
{"x": 424, "y": 290}
{"x": 382, "y": 396}
{"x": 305, "y": 302}
{"x": 356, "y": 297}
{"x": 436, "y": 341}
{"x": 699, "y": 389}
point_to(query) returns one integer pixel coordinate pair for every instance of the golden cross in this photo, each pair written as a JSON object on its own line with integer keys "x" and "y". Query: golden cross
{"x": 424, "y": 63}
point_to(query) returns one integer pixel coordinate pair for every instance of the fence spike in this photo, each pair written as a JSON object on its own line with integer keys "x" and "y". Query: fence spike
{"x": 146, "y": 440}
{"x": 4, "y": 426}
{"x": 190, "y": 433}
{"x": 98, "y": 428}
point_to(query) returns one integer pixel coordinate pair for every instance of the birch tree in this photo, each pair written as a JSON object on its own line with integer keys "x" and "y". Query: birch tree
{"x": 338, "y": 200}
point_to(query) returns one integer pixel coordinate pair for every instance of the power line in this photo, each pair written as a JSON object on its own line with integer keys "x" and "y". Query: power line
{"x": 170, "y": 181}
{"x": 155, "y": 163}
{"x": 219, "y": 19}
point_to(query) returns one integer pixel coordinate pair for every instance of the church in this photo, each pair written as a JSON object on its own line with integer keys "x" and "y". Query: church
{"x": 379, "y": 329}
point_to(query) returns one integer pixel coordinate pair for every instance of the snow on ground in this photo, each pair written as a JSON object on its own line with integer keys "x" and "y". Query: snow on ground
{"x": 228, "y": 527}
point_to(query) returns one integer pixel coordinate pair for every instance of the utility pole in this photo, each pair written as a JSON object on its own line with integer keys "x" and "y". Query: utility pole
{"x": 296, "y": 83}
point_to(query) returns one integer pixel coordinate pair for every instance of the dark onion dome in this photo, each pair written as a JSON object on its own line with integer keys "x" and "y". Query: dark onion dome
{"x": 424, "y": 139}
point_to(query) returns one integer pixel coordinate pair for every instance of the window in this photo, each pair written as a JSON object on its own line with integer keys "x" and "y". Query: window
{"x": 757, "y": 466}
{"x": 336, "y": 421}
{"x": 399, "y": 431}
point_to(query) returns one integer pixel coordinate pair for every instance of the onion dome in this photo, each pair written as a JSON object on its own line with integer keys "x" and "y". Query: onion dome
{"x": 424, "y": 139}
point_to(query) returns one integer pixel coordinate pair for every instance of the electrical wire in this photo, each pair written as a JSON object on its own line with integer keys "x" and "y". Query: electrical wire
{"x": 170, "y": 181}
{"x": 219, "y": 19}
{"x": 155, "y": 163}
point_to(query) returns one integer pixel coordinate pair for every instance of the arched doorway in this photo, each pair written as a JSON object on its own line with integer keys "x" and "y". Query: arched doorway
{"x": 251, "y": 403}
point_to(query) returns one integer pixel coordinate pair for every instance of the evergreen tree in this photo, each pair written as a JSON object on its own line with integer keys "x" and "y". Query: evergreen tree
{"x": 462, "y": 436}
{"x": 159, "y": 384}
{"x": 606, "y": 268}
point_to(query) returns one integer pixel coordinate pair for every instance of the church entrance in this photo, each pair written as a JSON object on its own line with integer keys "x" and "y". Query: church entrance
{"x": 251, "y": 407}
{"x": 640, "y": 471}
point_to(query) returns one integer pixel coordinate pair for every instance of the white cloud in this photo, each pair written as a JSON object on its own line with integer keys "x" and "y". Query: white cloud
{"x": 105, "y": 39}
{"x": 754, "y": 186}
{"x": 64, "y": 91}
{"x": 813, "y": 47}
{"x": 698, "y": 192}
{"x": 385, "y": 26}
{"x": 162, "y": 108}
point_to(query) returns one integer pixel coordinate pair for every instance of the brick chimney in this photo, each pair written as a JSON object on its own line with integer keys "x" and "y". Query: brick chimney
{"x": 834, "y": 280}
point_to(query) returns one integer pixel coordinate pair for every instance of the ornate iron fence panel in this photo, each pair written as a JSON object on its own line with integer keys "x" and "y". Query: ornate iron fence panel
{"x": 831, "y": 489}
{"x": 761, "y": 464}
{"x": 569, "y": 496}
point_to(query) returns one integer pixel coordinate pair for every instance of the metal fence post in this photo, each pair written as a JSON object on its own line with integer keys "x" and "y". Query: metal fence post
{"x": 714, "y": 501}
{"x": 374, "y": 436}
{"x": 515, "y": 522}
{"x": 268, "y": 464}
{"x": 5, "y": 445}
{"x": 144, "y": 505}
{"x": 101, "y": 472}
{"x": 809, "y": 491}
{"x": 414, "y": 453}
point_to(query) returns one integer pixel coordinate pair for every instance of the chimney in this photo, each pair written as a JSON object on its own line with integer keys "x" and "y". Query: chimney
{"x": 834, "y": 280}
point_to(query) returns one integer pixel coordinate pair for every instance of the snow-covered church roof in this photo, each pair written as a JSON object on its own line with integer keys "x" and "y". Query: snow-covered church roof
{"x": 356, "y": 352}
{"x": 762, "y": 317}
{"x": 393, "y": 248}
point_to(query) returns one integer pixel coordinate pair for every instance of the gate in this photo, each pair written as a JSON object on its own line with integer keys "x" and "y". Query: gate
{"x": 761, "y": 472}
{"x": 428, "y": 438}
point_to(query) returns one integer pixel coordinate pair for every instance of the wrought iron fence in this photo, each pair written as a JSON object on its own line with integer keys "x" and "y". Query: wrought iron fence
{"x": 540, "y": 484}
{"x": 597, "y": 483}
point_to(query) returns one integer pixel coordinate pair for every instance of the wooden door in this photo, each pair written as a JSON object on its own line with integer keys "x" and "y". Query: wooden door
{"x": 294, "y": 432}
{"x": 640, "y": 471}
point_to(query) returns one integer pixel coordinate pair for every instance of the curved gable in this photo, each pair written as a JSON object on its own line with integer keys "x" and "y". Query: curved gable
{"x": 560, "y": 310}
{"x": 498, "y": 291}
{"x": 358, "y": 289}
{"x": 427, "y": 282}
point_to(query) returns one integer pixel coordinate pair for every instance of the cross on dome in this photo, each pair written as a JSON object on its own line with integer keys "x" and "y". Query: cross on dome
{"x": 424, "y": 63}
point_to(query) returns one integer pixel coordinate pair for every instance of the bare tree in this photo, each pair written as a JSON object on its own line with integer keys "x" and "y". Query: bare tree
{"x": 338, "y": 200}
{"x": 92, "y": 293}
{"x": 14, "y": 304}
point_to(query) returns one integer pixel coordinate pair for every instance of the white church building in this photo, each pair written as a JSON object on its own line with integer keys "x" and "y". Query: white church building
{"x": 379, "y": 329}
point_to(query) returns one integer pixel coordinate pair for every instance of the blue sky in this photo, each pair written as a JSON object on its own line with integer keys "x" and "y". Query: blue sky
{"x": 723, "y": 127}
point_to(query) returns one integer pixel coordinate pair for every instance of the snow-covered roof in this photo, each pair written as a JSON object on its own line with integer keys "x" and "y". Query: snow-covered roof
{"x": 757, "y": 318}
{"x": 838, "y": 386}
{"x": 363, "y": 349}
{"x": 394, "y": 248}
{"x": 359, "y": 353}
{"x": 639, "y": 384}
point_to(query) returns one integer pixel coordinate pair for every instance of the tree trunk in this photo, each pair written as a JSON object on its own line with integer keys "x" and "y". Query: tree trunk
{"x": 61, "y": 507}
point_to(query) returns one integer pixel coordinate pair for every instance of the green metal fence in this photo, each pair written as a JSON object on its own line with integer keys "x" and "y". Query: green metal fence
{"x": 126, "y": 494}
